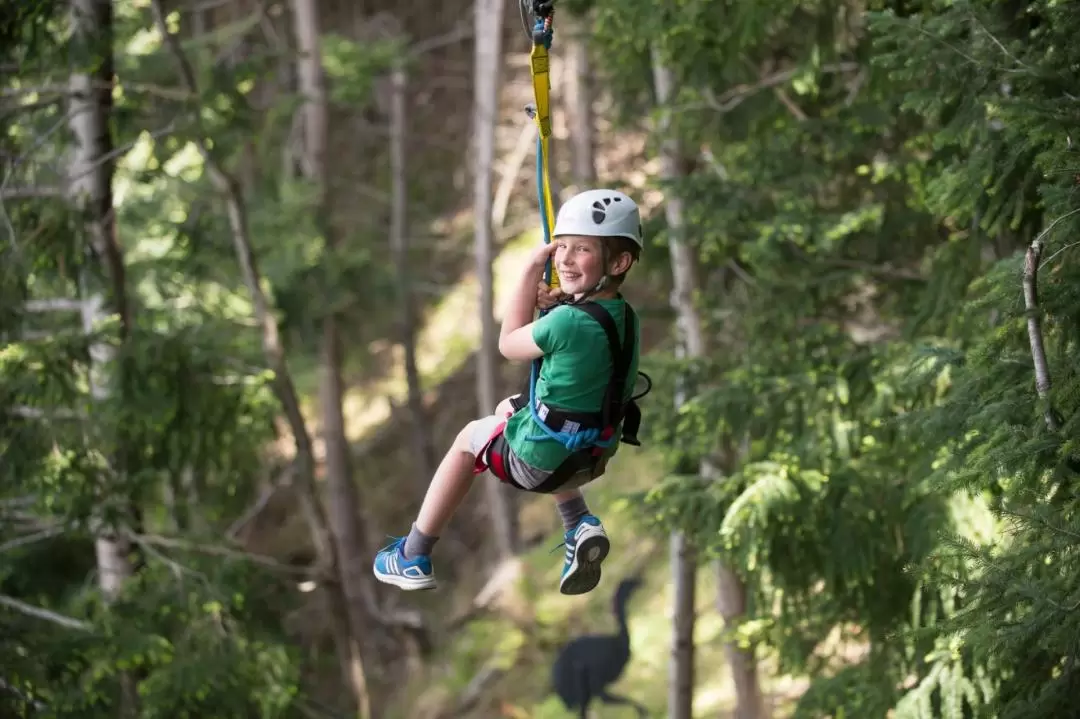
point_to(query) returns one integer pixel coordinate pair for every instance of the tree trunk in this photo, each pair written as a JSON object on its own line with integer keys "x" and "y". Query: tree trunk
{"x": 579, "y": 104}
{"x": 681, "y": 665}
{"x": 731, "y": 603}
{"x": 731, "y": 599}
{"x": 688, "y": 335}
{"x": 423, "y": 444}
{"x": 327, "y": 570}
{"x": 488, "y": 37}
{"x": 91, "y": 192}
{"x": 343, "y": 507}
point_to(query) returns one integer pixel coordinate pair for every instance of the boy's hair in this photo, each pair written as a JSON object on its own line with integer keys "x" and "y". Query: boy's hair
{"x": 615, "y": 246}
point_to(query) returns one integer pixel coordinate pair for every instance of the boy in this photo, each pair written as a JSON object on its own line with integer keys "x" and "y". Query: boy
{"x": 597, "y": 238}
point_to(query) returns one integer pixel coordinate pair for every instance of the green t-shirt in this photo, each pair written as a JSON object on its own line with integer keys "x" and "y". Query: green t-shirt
{"x": 573, "y": 376}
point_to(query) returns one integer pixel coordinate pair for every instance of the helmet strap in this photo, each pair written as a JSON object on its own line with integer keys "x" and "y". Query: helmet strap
{"x": 589, "y": 293}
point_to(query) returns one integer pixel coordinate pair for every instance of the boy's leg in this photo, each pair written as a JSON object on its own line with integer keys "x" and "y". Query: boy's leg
{"x": 406, "y": 563}
{"x": 587, "y": 543}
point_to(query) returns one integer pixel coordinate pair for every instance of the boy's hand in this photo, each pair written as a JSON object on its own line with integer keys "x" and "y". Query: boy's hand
{"x": 540, "y": 257}
{"x": 547, "y": 296}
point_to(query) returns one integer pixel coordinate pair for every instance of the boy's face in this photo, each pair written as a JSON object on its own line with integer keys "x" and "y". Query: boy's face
{"x": 579, "y": 261}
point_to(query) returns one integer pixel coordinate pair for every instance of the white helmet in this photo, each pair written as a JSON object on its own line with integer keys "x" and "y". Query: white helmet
{"x": 600, "y": 213}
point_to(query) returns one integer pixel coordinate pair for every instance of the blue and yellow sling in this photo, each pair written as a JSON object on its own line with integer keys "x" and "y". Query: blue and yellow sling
{"x": 542, "y": 12}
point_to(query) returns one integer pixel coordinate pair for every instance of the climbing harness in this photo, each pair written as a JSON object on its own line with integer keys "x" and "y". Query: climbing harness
{"x": 585, "y": 434}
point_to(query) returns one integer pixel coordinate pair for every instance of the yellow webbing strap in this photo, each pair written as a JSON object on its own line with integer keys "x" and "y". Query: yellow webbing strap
{"x": 540, "y": 67}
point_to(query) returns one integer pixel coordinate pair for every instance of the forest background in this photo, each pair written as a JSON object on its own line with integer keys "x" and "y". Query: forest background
{"x": 253, "y": 256}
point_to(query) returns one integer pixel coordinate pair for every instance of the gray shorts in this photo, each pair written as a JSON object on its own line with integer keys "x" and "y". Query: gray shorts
{"x": 524, "y": 474}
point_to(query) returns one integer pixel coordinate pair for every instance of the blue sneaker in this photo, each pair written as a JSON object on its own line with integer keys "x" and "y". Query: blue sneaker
{"x": 586, "y": 547}
{"x": 391, "y": 567}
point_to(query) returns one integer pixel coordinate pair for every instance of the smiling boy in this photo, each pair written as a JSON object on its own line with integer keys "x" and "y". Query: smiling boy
{"x": 585, "y": 354}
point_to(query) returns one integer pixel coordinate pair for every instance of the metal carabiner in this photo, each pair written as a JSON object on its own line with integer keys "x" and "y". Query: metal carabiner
{"x": 531, "y": 11}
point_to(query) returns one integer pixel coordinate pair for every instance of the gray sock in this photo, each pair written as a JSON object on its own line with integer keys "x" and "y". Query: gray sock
{"x": 418, "y": 543}
{"x": 571, "y": 511}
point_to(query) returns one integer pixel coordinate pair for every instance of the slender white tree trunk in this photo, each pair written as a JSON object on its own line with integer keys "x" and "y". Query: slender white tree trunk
{"x": 579, "y": 103}
{"x": 731, "y": 598}
{"x": 90, "y": 186}
{"x": 488, "y": 38}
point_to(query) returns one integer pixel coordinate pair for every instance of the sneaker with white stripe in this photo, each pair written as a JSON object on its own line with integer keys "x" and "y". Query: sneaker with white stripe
{"x": 391, "y": 567}
{"x": 587, "y": 545}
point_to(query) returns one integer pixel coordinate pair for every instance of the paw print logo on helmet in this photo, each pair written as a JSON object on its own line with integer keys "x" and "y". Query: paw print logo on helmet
{"x": 600, "y": 213}
{"x": 600, "y": 209}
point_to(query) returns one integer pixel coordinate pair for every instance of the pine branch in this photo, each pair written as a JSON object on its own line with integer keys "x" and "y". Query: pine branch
{"x": 1050, "y": 227}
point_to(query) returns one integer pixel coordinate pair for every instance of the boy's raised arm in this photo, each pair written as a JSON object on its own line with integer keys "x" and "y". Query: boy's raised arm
{"x": 515, "y": 338}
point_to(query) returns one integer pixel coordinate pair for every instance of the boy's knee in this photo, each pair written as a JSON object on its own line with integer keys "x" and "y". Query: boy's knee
{"x": 475, "y": 434}
{"x": 463, "y": 442}
{"x": 505, "y": 408}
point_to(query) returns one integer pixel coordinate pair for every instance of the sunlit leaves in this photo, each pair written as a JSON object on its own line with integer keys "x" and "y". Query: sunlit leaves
{"x": 849, "y": 212}
{"x": 188, "y": 408}
{"x": 996, "y": 104}
{"x": 353, "y": 66}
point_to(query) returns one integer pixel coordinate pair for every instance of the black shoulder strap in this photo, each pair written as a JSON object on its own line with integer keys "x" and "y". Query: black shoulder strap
{"x": 622, "y": 354}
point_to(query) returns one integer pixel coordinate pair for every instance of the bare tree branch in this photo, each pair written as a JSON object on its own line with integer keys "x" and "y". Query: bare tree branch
{"x": 17, "y": 502}
{"x": 39, "y": 141}
{"x": 1049, "y": 228}
{"x": 855, "y": 86}
{"x": 219, "y": 551}
{"x": 510, "y": 171}
{"x": 31, "y": 193}
{"x": 30, "y": 539}
{"x": 735, "y": 96}
{"x": 792, "y": 107}
{"x": 886, "y": 271}
{"x": 39, "y": 413}
{"x": 122, "y": 150}
{"x": 168, "y": 93}
{"x": 1034, "y": 326}
{"x": 1004, "y": 50}
{"x": 178, "y": 569}
{"x": 463, "y": 31}
{"x": 46, "y": 614}
{"x": 254, "y": 510}
{"x": 12, "y": 689}
{"x": 59, "y": 304}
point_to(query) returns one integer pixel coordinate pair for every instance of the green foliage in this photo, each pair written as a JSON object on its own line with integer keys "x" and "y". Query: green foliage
{"x": 1004, "y": 151}
{"x": 856, "y": 218}
{"x": 861, "y": 689}
{"x": 173, "y": 449}
{"x": 353, "y": 66}
{"x": 198, "y": 650}
{"x": 861, "y": 181}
